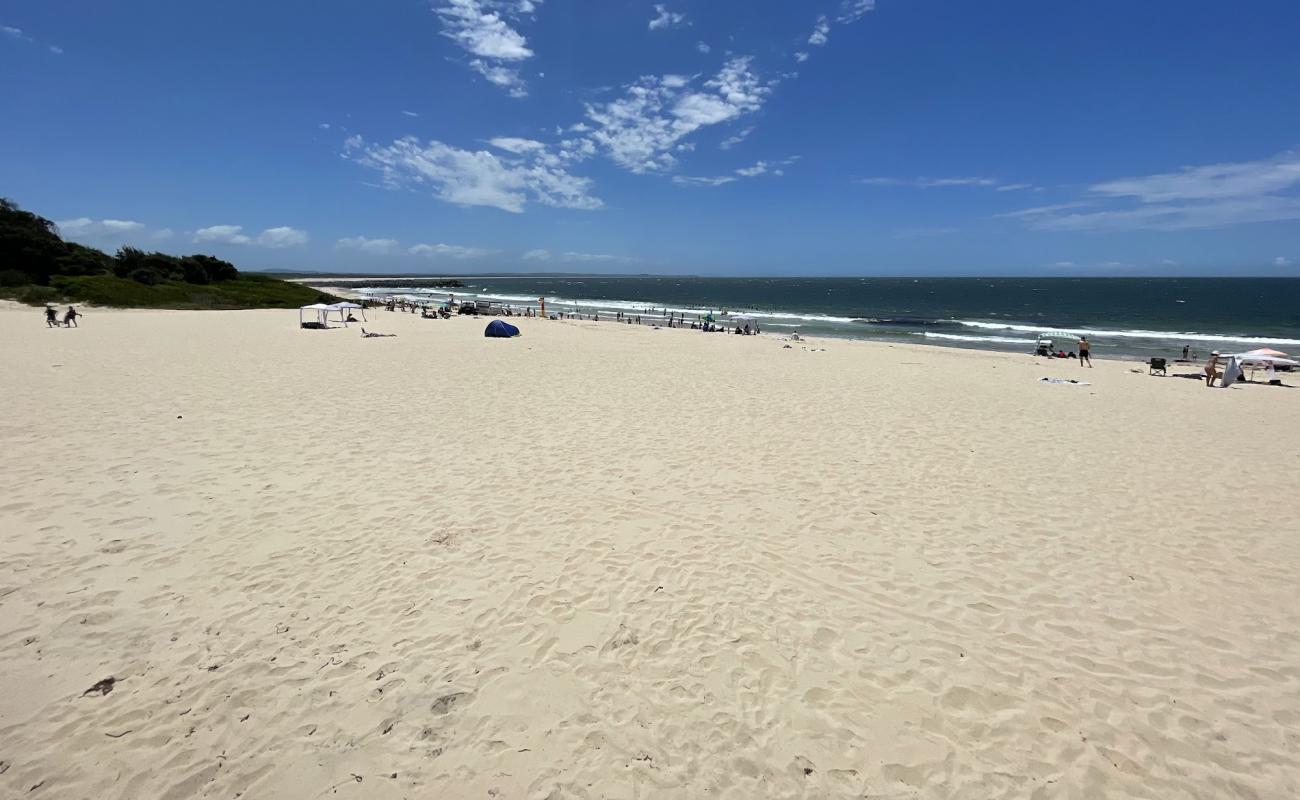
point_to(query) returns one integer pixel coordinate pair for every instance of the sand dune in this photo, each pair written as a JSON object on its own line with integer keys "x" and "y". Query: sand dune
{"x": 605, "y": 561}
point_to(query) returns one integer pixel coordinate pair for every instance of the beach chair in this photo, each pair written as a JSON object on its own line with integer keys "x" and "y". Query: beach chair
{"x": 1156, "y": 365}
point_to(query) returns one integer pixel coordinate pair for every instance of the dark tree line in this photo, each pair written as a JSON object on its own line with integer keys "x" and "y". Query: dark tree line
{"x": 32, "y": 252}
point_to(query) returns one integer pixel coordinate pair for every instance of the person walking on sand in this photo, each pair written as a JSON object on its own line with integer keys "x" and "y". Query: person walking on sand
{"x": 1211, "y": 368}
{"x": 70, "y": 318}
{"x": 51, "y": 317}
{"x": 1083, "y": 351}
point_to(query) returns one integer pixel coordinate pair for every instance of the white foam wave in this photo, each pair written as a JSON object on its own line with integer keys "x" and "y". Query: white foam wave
{"x": 957, "y": 337}
{"x": 1102, "y": 333}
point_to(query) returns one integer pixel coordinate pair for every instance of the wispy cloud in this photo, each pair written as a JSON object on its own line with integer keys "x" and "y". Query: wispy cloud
{"x": 934, "y": 183}
{"x": 475, "y": 178}
{"x": 1281, "y": 261}
{"x": 410, "y": 113}
{"x": 853, "y": 10}
{"x": 703, "y": 47}
{"x": 690, "y": 180}
{"x": 483, "y": 29}
{"x": 283, "y": 236}
{"x": 85, "y": 227}
{"x": 821, "y": 32}
{"x": 665, "y": 19}
{"x": 449, "y": 251}
{"x": 597, "y": 257}
{"x": 537, "y": 255}
{"x": 757, "y": 169}
{"x": 227, "y": 234}
{"x": 732, "y": 141}
{"x": 18, "y": 34}
{"x": 366, "y": 245}
{"x": 1210, "y": 196}
{"x": 640, "y": 130}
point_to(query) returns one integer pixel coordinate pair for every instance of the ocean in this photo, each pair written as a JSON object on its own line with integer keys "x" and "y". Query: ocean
{"x": 1120, "y": 316}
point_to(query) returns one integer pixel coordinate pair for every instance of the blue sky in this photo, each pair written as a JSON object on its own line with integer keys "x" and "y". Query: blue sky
{"x": 847, "y": 137}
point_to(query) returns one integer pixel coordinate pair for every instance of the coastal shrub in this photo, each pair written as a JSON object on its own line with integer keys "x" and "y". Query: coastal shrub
{"x": 12, "y": 277}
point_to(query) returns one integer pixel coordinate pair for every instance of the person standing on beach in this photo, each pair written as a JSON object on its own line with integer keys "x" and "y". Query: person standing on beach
{"x": 1186, "y": 348}
{"x": 70, "y": 318}
{"x": 1083, "y": 351}
{"x": 1211, "y": 368}
{"x": 51, "y": 317}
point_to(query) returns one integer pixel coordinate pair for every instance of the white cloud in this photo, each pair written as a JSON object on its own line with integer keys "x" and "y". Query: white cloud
{"x": 703, "y": 47}
{"x": 56, "y": 50}
{"x": 482, "y": 29}
{"x": 688, "y": 180}
{"x": 373, "y": 246}
{"x": 639, "y": 130}
{"x": 1281, "y": 261}
{"x": 449, "y": 250}
{"x": 476, "y": 178}
{"x": 821, "y": 31}
{"x": 324, "y": 126}
{"x": 283, "y": 236}
{"x": 1211, "y": 182}
{"x": 221, "y": 233}
{"x": 754, "y": 171}
{"x": 505, "y": 77}
{"x": 1062, "y": 264}
{"x": 162, "y": 233}
{"x": 229, "y": 234}
{"x": 1014, "y": 187}
{"x": 853, "y": 10}
{"x": 102, "y": 232}
{"x": 16, "y": 33}
{"x": 800, "y": 57}
{"x": 518, "y": 146}
{"x": 933, "y": 183}
{"x": 732, "y": 141}
{"x": 410, "y": 113}
{"x": 666, "y": 19}
{"x": 588, "y": 257}
{"x": 1204, "y": 197}
{"x": 537, "y": 255}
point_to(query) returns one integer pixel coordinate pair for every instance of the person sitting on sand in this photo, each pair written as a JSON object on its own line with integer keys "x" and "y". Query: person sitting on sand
{"x": 70, "y": 318}
{"x": 51, "y": 317}
{"x": 1211, "y": 368}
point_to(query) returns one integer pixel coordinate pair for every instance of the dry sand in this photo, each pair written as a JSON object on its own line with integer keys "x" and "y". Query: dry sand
{"x": 604, "y": 561}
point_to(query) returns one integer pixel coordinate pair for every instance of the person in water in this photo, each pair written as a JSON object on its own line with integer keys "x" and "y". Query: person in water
{"x": 1083, "y": 351}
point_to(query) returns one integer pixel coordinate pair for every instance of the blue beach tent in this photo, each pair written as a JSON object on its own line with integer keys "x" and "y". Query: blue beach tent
{"x": 497, "y": 329}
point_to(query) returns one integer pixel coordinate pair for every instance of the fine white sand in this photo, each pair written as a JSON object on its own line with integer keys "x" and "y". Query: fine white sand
{"x": 604, "y": 561}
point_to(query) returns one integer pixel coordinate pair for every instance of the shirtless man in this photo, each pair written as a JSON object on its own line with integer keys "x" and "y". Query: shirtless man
{"x": 1083, "y": 351}
{"x": 1211, "y": 371}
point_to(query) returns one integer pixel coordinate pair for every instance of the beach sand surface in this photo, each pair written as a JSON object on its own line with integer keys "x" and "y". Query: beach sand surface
{"x": 607, "y": 561}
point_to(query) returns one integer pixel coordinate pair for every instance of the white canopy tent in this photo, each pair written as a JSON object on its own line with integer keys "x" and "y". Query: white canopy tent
{"x": 1255, "y": 359}
{"x": 345, "y": 308}
{"x": 322, "y": 313}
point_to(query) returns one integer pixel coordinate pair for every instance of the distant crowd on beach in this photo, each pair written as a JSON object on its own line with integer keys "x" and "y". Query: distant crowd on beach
{"x": 707, "y": 323}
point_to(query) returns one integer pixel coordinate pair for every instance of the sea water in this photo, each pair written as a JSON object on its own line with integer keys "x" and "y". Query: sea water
{"x": 1120, "y": 316}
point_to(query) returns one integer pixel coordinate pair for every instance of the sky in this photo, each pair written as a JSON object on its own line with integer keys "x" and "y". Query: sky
{"x": 711, "y": 137}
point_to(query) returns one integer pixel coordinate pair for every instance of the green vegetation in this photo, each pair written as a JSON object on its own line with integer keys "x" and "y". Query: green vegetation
{"x": 37, "y": 266}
